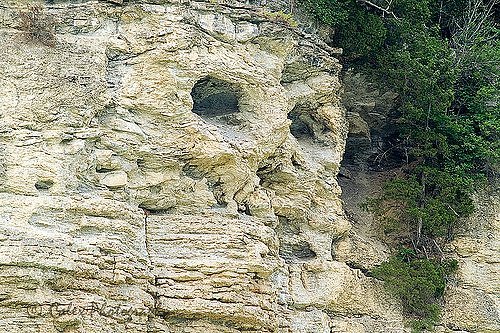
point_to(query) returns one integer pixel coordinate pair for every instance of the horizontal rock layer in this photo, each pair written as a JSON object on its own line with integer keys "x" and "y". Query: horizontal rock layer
{"x": 171, "y": 166}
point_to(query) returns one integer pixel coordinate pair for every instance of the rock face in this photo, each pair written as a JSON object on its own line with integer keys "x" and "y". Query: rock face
{"x": 171, "y": 166}
{"x": 472, "y": 301}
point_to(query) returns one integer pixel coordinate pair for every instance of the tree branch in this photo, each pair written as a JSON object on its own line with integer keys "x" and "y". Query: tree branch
{"x": 439, "y": 249}
{"x": 383, "y": 10}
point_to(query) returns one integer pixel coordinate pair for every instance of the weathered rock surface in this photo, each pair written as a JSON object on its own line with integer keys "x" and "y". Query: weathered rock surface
{"x": 170, "y": 166}
{"x": 472, "y": 301}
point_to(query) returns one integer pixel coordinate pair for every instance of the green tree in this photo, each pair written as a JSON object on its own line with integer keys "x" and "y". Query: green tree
{"x": 442, "y": 58}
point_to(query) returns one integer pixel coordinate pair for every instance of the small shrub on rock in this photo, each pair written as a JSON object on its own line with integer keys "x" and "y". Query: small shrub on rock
{"x": 419, "y": 283}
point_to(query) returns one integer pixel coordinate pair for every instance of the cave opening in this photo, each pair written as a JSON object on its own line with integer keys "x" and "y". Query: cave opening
{"x": 303, "y": 125}
{"x": 44, "y": 184}
{"x": 213, "y": 98}
{"x": 293, "y": 245}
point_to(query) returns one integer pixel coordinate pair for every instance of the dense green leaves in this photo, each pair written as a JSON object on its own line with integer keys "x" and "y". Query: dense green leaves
{"x": 418, "y": 283}
{"x": 447, "y": 118}
{"x": 442, "y": 58}
{"x": 333, "y": 12}
{"x": 361, "y": 40}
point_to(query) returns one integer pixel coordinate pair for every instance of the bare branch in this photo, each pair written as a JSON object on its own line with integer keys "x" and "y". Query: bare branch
{"x": 383, "y": 10}
{"x": 425, "y": 252}
{"x": 454, "y": 211}
{"x": 439, "y": 249}
{"x": 471, "y": 27}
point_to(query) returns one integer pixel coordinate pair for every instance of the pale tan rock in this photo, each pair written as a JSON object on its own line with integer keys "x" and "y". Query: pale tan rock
{"x": 114, "y": 179}
{"x": 118, "y": 196}
{"x": 472, "y": 301}
{"x": 114, "y": 191}
{"x": 313, "y": 321}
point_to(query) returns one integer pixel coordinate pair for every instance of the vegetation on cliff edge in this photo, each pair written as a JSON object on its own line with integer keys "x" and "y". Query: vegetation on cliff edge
{"x": 442, "y": 58}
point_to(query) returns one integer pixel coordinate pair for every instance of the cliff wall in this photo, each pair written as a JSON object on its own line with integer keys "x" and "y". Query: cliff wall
{"x": 171, "y": 166}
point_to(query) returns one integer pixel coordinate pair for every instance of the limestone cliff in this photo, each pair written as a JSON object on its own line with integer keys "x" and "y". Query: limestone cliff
{"x": 171, "y": 166}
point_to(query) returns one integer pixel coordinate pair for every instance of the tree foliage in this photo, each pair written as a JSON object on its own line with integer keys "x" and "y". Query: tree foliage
{"x": 442, "y": 58}
{"x": 419, "y": 283}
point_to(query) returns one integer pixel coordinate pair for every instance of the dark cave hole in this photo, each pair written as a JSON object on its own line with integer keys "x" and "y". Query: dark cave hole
{"x": 213, "y": 97}
{"x": 300, "y": 126}
{"x": 103, "y": 170}
{"x": 192, "y": 171}
{"x": 44, "y": 185}
{"x": 149, "y": 210}
{"x": 293, "y": 248}
{"x": 296, "y": 252}
{"x": 359, "y": 266}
